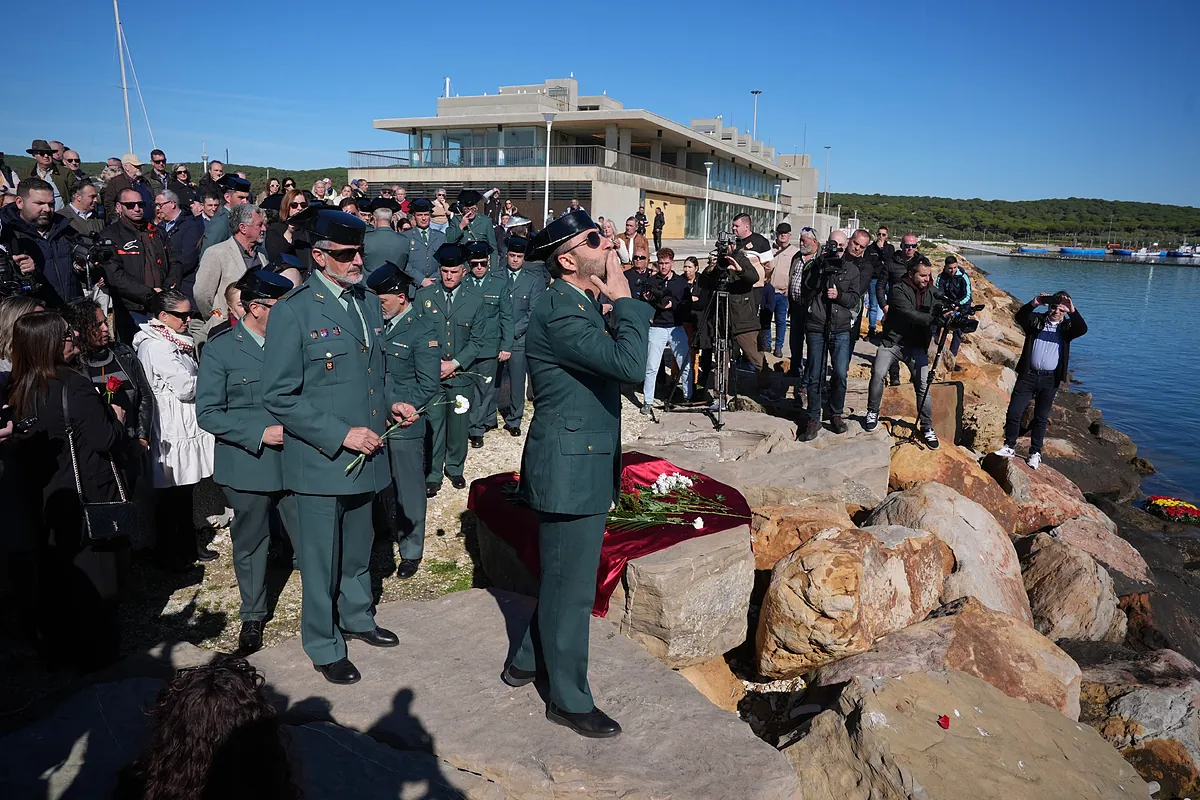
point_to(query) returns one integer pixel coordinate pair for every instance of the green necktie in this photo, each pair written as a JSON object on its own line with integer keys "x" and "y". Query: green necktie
{"x": 425, "y": 236}
{"x": 449, "y": 299}
{"x": 512, "y": 276}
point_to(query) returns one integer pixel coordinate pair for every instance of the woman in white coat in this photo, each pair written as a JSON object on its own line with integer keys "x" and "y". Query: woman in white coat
{"x": 181, "y": 452}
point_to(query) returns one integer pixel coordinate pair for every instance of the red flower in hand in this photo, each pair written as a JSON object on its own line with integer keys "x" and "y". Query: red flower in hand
{"x": 113, "y": 384}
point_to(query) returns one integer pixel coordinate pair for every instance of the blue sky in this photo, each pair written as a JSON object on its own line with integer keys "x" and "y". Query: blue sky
{"x": 971, "y": 98}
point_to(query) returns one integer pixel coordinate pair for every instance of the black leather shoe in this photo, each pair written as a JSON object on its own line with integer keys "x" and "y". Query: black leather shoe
{"x": 250, "y": 639}
{"x": 517, "y": 677}
{"x": 207, "y": 554}
{"x": 407, "y": 567}
{"x": 431, "y": 489}
{"x": 342, "y": 672}
{"x": 513, "y": 431}
{"x": 476, "y": 442}
{"x": 594, "y": 724}
{"x": 379, "y": 637}
{"x": 810, "y": 431}
{"x": 458, "y": 481}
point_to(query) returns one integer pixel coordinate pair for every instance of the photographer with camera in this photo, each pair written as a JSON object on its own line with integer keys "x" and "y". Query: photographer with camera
{"x": 1045, "y": 359}
{"x": 39, "y": 242}
{"x": 670, "y": 295}
{"x": 735, "y": 272}
{"x": 831, "y": 296}
{"x": 892, "y": 273}
{"x": 907, "y": 331}
{"x": 955, "y": 287}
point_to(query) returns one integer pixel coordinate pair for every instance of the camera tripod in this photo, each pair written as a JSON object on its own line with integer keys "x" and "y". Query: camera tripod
{"x": 721, "y": 357}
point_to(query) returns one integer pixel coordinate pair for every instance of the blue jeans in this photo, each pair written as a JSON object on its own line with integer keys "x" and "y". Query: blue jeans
{"x": 777, "y": 304}
{"x": 876, "y": 312}
{"x": 839, "y": 346}
{"x": 659, "y": 339}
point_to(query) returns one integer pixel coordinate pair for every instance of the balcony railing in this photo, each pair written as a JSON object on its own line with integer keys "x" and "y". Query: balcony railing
{"x": 583, "y": 155}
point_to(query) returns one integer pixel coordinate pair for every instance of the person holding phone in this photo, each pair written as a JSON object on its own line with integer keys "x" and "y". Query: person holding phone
{"x": 1045, "y": 359}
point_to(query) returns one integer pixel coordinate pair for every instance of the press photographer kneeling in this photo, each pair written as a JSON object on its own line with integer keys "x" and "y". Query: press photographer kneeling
{"x": 831, "y": 296}
{"x": 1043, "y": 366}
{"x": 907, "y": 331}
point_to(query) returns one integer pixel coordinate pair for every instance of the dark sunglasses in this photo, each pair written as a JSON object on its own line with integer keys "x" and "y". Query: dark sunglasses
{"x": 183, "y": 315}
{"x": 482, "y": 262}
{"x": 71, "y": 160}
{"x": 301, "y": 204}
{"x": 641, "y": 258}
{"x": 134, "y": 204}
{"x": 344, "y": 256}
{"x": 157, "y": 161}
{"x": 908, "y": 247}
{"x": 592, "y": 240}
{"x": 181, "y": 172}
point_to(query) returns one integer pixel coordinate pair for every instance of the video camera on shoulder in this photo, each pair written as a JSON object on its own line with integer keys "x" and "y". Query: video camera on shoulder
{"x": 956, "y": 317}
{"x": 93, "y": 251}
{"x": 12, "y": 280}
{"x": 726, "y": 244}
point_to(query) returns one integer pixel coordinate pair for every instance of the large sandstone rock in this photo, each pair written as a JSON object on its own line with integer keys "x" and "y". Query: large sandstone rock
{"x": 951, "y": 465}
{"x": 1071, "y": 596}
{"x": 1044, "y": 497}
{"x": 778, "y": 530}
{"x": 1102, "y": 543}
{"x": 716, "y": 681}
{"x": 900, "y": 403}
{"x": 970, "y": 638}
{"x": 986, "y": 565}
{"x": 760, "y": 457}
{"x": 1148, "y": 706}
{"x": 844, "y": 589}
{"x": 688, "y": 603}
{"x": 440, "y": 691}
{"x": 881, "y": 741}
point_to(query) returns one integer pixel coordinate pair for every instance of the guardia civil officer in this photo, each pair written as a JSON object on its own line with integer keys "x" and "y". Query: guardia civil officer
{"x": 413, "y": 364}
{"x": 524, "y": 286}
{"x": 458, "y": 317}
{"x": 571, "y": 466}
{"x": 498, "y": 342}
{"x": 248, "y": 462}
{"x": 423, "y": 242}
{"x": 472, "y": 225}
{"x": 323, "y": 379}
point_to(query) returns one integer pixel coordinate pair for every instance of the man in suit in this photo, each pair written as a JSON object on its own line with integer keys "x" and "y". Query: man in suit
{"x": 224, "y": 263}
{"x": 423, "y": 242}
{"x": 382, "y": 244}
{"x": 498, "y": 346}
{"x": 235, "y": 191}
{"x": 571, "y": 466}
{"x": 323, "y": 379}
{"x": 413, "y": 359}
{"x": 524, "y": 286}
{"x": 472, "y": 225}
{"x": 249, "y": 446}
{"x": 458, "y": 319}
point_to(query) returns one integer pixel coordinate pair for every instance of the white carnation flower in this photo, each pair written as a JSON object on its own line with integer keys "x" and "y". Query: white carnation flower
{"x": 461, "y": 404}
{"x": 698, "y": 523}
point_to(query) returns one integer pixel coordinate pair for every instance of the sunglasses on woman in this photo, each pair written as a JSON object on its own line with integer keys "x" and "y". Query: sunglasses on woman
{"x": 183, "y": 315}
{"x": 301, "y": 204}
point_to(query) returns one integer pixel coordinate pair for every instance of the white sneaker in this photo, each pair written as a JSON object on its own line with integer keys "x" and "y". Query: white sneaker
{"x": 1034, "y": 460}
{"x": 931, "y": 440}
{"x": 1005, "y": 452}
{"x": 871, "y": 421}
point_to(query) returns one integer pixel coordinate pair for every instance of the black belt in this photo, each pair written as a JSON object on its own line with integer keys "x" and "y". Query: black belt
{"x": 1042, "y": 371}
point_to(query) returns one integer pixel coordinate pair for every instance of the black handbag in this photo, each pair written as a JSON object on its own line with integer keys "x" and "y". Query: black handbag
{"x": 101, "y": 521}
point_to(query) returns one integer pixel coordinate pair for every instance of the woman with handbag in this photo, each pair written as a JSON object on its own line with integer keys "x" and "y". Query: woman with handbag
{"x": 69, "y": 473}
{"x": 181, "y": 454}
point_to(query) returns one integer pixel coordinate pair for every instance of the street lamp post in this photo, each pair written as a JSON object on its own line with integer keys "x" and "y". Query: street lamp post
{"x": 708, "y": 165}
{"x": 549, "y": 117}
{"x": 777, "y": 188}
{"x": 827, "y": 178}
{"x": 754, "y": 128}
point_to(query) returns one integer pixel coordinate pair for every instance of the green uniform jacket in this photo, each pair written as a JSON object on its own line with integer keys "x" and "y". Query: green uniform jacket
{"x": 217, "y": 230}
{"x": 572, "y": 458}
{"x": 384, "y": 244}
{"x": 480, "y": 230}
{"x": 320, "y": 379}
{"x": 414, "y": 362}
{"x": 494, "y": 291}
{"x": 459, "y": 334}
{"x": 523, "y": 294}
{"x": 419, "y": 263}
{"x": 229, "y": 405}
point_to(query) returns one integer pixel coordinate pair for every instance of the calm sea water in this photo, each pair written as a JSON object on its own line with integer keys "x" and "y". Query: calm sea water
{"x": 1140, "y": 357}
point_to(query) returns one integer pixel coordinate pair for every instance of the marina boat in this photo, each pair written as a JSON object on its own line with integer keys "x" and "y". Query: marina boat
{"x": 1187, "y": 251}
{"x": 1031, "y": 250}
{"x": 1083, "y": 251}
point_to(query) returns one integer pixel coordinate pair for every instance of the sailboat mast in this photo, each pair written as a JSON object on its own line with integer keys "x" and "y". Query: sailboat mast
{"x": 124, "y": 85}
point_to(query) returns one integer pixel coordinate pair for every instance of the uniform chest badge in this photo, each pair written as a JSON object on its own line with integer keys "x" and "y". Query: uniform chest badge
{"x": 328, "y": 365}
{"x": 323, "y": 333}
{"x": 433, "y": 343}
{"x": 337, "y": 331}
{"x": 318, "y": 295}
{"x": 581, "y": 308}
{"x": 428, "y": 303}
{"x": 313, "y": 334}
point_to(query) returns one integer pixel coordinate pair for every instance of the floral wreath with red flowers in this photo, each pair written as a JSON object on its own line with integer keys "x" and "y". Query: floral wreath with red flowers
{"x": 1172, "y": 509}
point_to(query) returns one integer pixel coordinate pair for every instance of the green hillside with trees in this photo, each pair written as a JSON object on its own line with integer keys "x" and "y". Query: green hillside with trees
{"x": 1060, "y": 221}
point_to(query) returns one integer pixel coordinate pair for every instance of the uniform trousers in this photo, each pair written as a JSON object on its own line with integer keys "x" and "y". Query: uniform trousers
{"x": 250, "y": 533}
{"x": 407, "y": 457}
{"x": 556, "y": 640}
{"x": 483, "y": 396}
{"x": 513, "y": 372}
{"x": 332, "y": 538}
{"x": 446, "y": 440}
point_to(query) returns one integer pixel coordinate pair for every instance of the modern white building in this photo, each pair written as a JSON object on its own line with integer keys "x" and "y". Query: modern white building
{"x": 610, "y": 158}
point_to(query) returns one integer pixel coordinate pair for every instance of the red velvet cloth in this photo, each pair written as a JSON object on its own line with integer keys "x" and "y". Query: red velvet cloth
{"x": 517, "y": 524}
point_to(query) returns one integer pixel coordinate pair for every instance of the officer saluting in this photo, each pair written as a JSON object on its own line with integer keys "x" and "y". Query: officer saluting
{"x": 472, "y": 225}
{"x": 249, "y": 455}
{"x": 524, "y": 286}
{"x": 458, "y": 319}
{"x": 413, "y": 380}
{"x": 499, "y": 339}
{"x": 571, "y": 466}
{"x": 323, "y": 379}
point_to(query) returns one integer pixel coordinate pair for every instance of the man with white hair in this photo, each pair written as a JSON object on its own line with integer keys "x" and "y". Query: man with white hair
{"x": 382, "y": 244}
{"x": 226, "y": 262}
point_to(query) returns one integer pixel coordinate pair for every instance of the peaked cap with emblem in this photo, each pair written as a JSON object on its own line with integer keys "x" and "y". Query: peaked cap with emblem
{"x": 451, "y": 255}
{"x": 478, "y": 249}
{"x": 261, "y": 284}
{"x": 420, "y": 206}
{"x": 557, "y": 232}
{"x": 390, "y": 279}
{"x": 516, "y": 244}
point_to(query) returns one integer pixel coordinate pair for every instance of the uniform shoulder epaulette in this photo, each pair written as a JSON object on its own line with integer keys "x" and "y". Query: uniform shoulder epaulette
{"x": 218, "y": 332}
{"x": 295, "y": 290}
